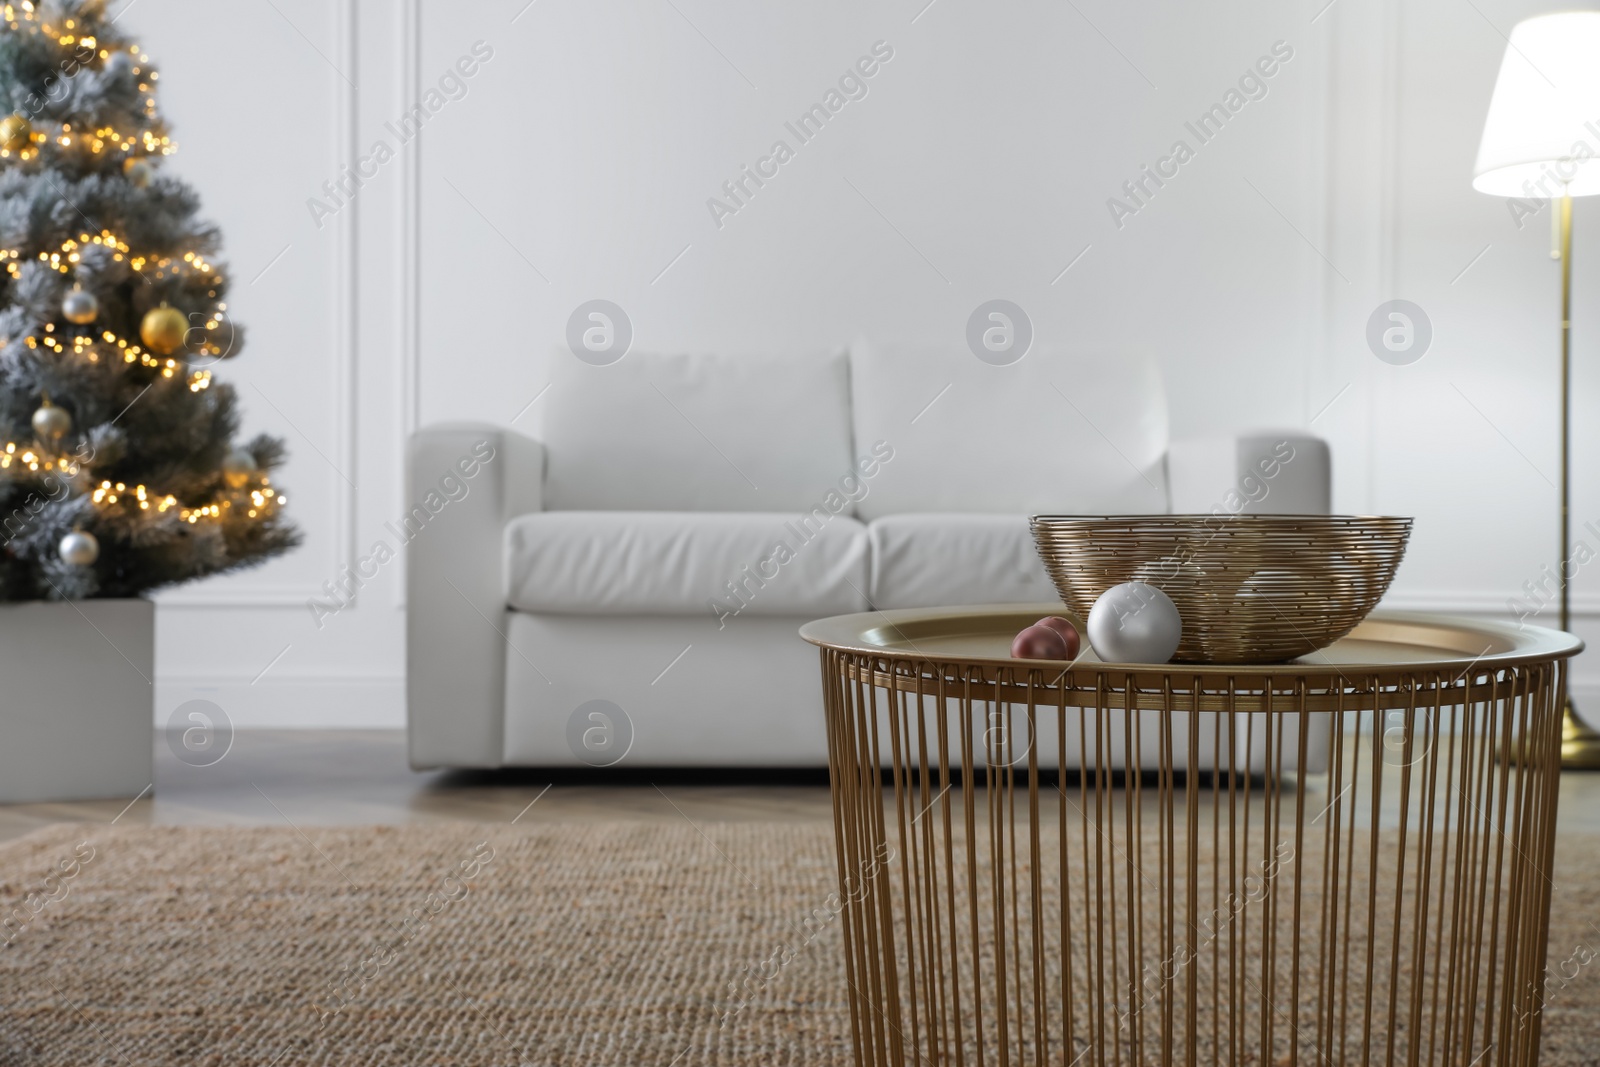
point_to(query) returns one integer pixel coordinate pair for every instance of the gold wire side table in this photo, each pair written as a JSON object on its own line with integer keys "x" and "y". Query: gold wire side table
{"x": 1340, "y": 860}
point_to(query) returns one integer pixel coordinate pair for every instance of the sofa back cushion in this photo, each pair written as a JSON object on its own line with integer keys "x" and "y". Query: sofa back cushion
{"x": 1050, "y": 433}
{"x": 695, "y": 432}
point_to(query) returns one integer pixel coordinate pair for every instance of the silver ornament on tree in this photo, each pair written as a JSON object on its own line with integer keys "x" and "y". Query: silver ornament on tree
{"x": 79, "y": 548}
{"x": 138, "y": 171}
{"x": 238, "y": 467}
{"x": 51, "y": 423}
{"x": 80, "y": 307}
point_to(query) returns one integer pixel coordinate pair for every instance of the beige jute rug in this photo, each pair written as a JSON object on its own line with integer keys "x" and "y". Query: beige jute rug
{"x": 577, "y": 944}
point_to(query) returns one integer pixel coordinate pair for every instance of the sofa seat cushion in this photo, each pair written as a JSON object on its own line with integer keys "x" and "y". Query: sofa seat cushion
{"x": 676, "y": 562}
{"x": 929, "y": 560}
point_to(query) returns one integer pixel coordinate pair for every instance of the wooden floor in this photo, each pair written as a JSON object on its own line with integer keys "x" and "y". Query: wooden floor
{"x": 324, "y": 777}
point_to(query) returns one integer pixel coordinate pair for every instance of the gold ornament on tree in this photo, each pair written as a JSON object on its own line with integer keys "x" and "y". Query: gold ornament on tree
{"x": 79, "y": 306}
{"x": 16, "y": 133}
{"x": 50, "y": 422}
{"x": 163, "y": 330}
{"x": 238, "y": 467}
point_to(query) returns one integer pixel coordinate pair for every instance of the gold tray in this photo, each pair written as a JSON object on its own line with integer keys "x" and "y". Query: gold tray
{"x": 1386, "y": 644}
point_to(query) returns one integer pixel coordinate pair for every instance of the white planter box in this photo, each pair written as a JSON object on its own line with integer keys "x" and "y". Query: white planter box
{"x": 76, "y": 702}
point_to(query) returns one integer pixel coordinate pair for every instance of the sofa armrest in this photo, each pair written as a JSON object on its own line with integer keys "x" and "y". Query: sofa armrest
{"x": 455, "y": 589}
{"x": 1278, "y": 473}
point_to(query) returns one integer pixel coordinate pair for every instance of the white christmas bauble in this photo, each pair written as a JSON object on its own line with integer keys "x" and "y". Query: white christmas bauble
{"x": 1134, "y": 623}
{"x": 119, "y": 64}
{"x": 79, "y": 548}
{"x": 51, "y": 423}
{"x": 80, "y": 307}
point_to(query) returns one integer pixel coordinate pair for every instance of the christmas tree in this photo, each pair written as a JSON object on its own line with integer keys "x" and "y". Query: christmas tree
{"x": 118, "y": 473}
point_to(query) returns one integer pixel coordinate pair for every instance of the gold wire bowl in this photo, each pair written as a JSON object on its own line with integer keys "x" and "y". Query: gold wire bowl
{"x": 1250, "y": 588}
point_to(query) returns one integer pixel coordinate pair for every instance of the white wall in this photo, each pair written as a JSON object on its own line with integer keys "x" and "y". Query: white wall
{"x": 1466, "y": 439}
{"x": 978, "y": 165}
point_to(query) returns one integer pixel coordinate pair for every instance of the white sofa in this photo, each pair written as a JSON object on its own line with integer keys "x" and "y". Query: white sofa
{"x": 672, "y": 520}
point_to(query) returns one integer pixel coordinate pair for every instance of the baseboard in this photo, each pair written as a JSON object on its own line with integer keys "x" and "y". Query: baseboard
{"x": 354, "y": 701}
{"x": 327, "y": 701}
{"x": 378, "y": 702}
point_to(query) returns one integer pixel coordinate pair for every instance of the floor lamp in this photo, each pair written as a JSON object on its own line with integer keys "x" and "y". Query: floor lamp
{"x": 1541, "y": 145}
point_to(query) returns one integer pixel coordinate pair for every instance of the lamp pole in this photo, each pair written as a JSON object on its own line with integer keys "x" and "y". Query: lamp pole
{"x": 1580, "y": 745}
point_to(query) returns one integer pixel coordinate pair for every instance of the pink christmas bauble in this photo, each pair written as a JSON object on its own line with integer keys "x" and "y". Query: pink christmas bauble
{"x": 1068, "y": 632}
{"x": 1039, "y": 642}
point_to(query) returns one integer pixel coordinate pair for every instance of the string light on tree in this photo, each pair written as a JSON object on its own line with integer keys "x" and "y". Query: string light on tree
{"x": 26, "y": 457}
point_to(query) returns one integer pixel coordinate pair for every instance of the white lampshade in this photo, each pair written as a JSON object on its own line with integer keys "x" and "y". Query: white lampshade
{"x": 1544, "y": 119}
